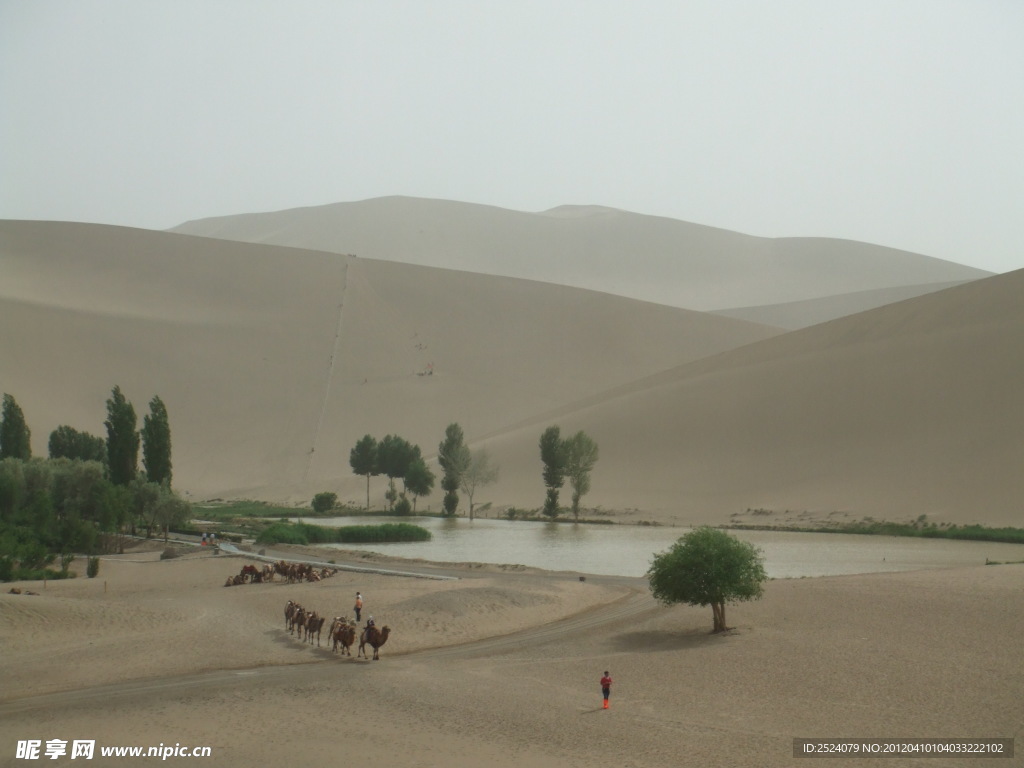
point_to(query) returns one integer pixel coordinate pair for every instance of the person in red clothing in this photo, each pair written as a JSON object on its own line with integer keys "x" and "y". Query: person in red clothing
{"x": 606, "y": 687}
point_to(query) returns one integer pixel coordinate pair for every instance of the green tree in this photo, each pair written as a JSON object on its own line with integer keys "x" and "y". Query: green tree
{"x": 156, "y": 443}
{"x": 580, "y": 453}
{"x": 708, "y": 566}
{"x": 419, "y": 480}
{"x": 552, "y": 455}
{"x": 324, "y": 502}
{"x": 394, "y": 455}
{"x": 122, "y": 439}
{"x": 68, "y": 443}
{"x": 479, "y": 472}
{"x": 15, "y": 436}
{"x": 170, "y": 510}
{"x": 453, "y": 456}
{"x": 363, "y": 460}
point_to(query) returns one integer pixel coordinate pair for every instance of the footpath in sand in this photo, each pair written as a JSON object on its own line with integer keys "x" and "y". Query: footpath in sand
{"x": 501, "y": 666}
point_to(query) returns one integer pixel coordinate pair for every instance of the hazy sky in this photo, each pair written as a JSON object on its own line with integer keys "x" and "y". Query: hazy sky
{"x": 898, "y": 122}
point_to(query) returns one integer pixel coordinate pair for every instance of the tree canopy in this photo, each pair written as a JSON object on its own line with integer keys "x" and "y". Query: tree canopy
{"x": 419, "y": 480}
{"x": 453, "y": 456}
{"x": 156, "y": 443}
{"x": 552, "y": 455}
{"x": 15, "y": 436}
{"x": 479, "y": 472}
{"x": 580, "y": 453}
{"x": 68, "y": 443}
{"x": 363, "y": 460}
{"x": 122, "y": 439}
{"x": 708, "y": 566}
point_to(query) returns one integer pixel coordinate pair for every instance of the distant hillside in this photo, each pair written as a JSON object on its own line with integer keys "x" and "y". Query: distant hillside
{"x": 273, "y": 361}
{"x": 802, "y": 314}
{"x": 644, "y": 257}
{"x": 913, "y": 408}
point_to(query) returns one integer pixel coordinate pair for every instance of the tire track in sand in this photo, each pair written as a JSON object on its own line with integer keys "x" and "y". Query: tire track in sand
{"x": 628, "y": 607}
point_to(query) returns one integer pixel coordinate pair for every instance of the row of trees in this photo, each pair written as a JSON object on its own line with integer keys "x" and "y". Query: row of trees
{"x": 119, "y": 453}
{"x": 88, "y": 493}
{"x": 572, "y": 458}
{"x": 396, "y": 458}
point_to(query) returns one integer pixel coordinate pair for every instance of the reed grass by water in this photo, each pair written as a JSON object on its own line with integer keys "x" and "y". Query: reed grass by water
{"x": 306, "y": 533}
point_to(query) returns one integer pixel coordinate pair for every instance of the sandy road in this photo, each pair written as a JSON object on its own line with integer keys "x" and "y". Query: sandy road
{"x": 632, "y": 605}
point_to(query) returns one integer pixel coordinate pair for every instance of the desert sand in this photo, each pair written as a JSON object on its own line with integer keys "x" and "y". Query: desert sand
{"x": 273, "y": 361}
{"x": 500, "y": 666}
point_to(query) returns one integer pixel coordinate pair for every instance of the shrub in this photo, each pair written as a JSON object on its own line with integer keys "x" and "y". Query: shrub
{"x": 93, "y": 568}
{"x": 324, "y": 502}
{"x": 304, "y": 533}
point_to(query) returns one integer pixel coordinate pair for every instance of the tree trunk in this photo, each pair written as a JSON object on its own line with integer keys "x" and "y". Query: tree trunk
{"x": 367, "y": 491}
{"x": 719, "y": 612}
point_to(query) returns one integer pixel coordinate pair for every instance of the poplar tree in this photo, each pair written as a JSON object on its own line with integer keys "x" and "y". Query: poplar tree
{"x": 580, "y": 453}
{"x": 15, "y": 436}
{"x": 453, "y": 456}
{"x": 122, "y": 439}
{"x": 552, "y": 455}
{"x": 156, "y": 443}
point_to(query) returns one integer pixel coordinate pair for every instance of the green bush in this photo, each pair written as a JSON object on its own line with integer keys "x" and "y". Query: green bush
{"x": 93, "y": 569}
{"x": 305, "y": 533}
{"x": 324, "y": 502}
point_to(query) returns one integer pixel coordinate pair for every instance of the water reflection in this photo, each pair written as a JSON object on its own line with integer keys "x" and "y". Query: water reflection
{"x": 626, "y": 550}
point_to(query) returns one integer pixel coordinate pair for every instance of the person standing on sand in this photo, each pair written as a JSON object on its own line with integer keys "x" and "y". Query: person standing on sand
{"x": 358, "y": 608}
{"x": 606, "y": 688}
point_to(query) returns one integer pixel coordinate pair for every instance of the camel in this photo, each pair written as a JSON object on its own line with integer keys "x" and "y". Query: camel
{"x": 344, "y": 634}
{"x": 298, "y": 620}
{"x": 337, "y": 622}
{"x": 314, "y": 623}
{"x": 289, "y": 613}
{"x": 376, "y": 638}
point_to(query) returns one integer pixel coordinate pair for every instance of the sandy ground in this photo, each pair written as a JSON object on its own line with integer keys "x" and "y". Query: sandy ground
{"x": 500, "y": 667}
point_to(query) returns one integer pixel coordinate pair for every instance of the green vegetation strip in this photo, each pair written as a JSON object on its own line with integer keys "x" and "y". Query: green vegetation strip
{"x": 305, "y": 533}
{"x": 875, "y": 528}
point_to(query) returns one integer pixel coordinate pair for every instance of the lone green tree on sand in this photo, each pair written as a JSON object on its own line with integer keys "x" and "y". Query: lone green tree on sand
{"x": 708, "y": 566}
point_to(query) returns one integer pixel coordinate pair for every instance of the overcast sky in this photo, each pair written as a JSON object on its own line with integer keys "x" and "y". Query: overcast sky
{"x": 897, "y": 122}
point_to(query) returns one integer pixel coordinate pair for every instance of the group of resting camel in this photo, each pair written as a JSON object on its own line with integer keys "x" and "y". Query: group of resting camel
{"x": 291, "y": 572}
{"x": 305, "y": 624}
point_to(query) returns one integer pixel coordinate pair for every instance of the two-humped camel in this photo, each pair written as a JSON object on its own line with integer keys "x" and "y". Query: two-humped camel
{"x": 376, "y": 638}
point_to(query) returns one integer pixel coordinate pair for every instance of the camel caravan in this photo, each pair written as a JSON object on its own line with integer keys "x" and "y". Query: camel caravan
{"x": 342, "y": 633}
{"x": 291, "y": 572}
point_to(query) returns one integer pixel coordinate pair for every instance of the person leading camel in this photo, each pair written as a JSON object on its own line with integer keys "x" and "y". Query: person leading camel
{"x": 358, "y": 608}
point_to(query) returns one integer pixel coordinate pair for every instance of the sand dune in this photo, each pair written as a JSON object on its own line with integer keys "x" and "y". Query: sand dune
{"x": 803, "y": 314}
{"x": 272, "y": 362}
{"x": 905, "y": 410}
{"x": 644, "y": 257}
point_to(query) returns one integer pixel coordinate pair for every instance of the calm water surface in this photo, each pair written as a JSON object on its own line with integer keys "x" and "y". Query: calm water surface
{"x": 626, "y": 550}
